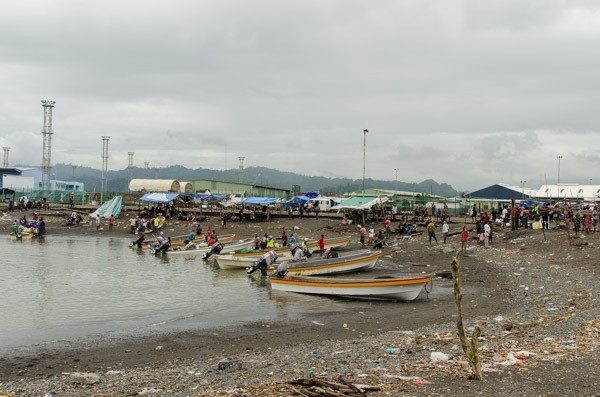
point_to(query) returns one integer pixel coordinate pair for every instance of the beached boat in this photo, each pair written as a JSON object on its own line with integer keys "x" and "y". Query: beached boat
{"x": 203, "y": 248}
{"x": 232, "y": 261}
{"x": 177, "y": 241}
{"x": 346, "y": 262}
{"x": 387, "y": 287}
{"x": 333, "y": 242}
{"x": 24, "y": 235}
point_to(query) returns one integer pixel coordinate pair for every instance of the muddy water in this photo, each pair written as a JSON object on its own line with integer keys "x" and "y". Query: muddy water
{"x": 59, "y": 289}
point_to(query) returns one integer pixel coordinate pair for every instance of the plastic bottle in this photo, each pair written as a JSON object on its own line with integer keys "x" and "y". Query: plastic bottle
{"x": 391, "y": 350}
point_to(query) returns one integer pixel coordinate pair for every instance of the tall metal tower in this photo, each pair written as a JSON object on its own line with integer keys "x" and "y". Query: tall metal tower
{"x": 105, "y": 140}
{"x": 6, "y": 149}
{"x": 130, "y": 169}
{"x": 47, "y": 151}
{"x": 241, "y": 171}
{"x": 146, "y": 164}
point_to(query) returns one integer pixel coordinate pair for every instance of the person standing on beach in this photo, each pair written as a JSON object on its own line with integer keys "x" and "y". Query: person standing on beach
{"x": 363, "y": 232}
{"x": 321, "y": 242}
{"x": 445, "y": 230}
{"x": 371, "y": 236}
{"x": 487, "y": 234}
{"x": 431, "y": 232}
{"x": 387, "y": 224}
{"x": 111, "y": 222}
{"x": 464, "y": 239}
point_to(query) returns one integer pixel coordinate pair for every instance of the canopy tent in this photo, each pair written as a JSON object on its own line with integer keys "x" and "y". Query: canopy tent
{"x": 361, "y": 202}
{"x": 206, "y": 196}
{"x": 312, "y": 195}
{"x": 111, "y": 207}
{"x": 259, "y": 201}
{"x": 296, "y": 201}
{"x": 159, "y": 197}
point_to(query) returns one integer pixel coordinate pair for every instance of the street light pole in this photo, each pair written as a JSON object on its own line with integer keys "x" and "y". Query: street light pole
{"x": 364, "y": 158}
{"x": 558, "y": 179}
{"x": 396, "y": 169}
{"x": 523, "y": 190}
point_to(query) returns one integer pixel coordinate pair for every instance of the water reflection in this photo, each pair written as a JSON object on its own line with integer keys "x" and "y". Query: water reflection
{"x": 67, "y": 287}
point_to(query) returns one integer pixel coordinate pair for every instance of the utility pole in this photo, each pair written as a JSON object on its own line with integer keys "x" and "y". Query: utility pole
{"x": 364, "y": 158}
{"x": 558, "y": 179}
{"x": 241, "y": 167}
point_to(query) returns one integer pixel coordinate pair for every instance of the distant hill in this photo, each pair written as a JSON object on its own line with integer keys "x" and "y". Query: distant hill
{"x": 118, "y": 180}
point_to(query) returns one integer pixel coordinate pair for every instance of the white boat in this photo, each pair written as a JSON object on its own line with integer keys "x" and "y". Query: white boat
{"x": 177, "y": 241}
{"x": 333, "y": 242}
{"x": 233, "y": 261}
{"x": 346, "y": 262}
{"x": 203, "y": 248}
{"x": 388, "y": 287}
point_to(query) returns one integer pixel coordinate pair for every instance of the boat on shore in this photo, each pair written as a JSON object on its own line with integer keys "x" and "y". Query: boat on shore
{"x": 334, "y": 242}
{"x": 203, "y": 248}
{"x": 24, "y": 235}
{"x": 346, "y": 262}
{"x": 178, "y": 241}
{"x": 386, "y": 287}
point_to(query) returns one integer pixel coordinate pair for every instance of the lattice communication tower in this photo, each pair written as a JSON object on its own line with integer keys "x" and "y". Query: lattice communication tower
{"x": 6, "y": 149}
{"x": 47, "y": 132}
{"x": 130, "y": 168}
{"x": 105, "y": 140}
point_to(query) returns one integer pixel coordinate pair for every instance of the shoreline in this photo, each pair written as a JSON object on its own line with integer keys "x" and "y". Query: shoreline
{"x": 353, "y": 342}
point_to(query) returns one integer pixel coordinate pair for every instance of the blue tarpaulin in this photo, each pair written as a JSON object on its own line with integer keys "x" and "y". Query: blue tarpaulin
{"x": 206, "y": 196}
{"x": 158, "y": 197}
{"x": 259, "y": 201}
{"x": 296, "y": 201}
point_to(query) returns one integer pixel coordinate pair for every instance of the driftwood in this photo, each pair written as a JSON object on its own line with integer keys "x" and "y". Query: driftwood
{"x": 470, "y": 347}
{"x": 325, "y": 388}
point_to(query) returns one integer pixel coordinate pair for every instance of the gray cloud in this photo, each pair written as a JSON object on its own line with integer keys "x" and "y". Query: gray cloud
{"x": 464, "y": 92}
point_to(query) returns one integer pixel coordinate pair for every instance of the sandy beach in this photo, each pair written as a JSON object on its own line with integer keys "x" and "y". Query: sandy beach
{"x": 532, "y": 294}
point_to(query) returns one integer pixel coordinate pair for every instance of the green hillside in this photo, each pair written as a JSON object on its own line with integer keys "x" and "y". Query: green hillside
{"x": 118, "y": 180}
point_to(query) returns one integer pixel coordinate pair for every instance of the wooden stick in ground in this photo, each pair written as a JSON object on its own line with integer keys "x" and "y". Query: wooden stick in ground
{"x": 469, "y": 347}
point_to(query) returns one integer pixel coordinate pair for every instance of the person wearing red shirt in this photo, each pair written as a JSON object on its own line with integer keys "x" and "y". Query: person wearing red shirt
{"x": 321, "y": 243}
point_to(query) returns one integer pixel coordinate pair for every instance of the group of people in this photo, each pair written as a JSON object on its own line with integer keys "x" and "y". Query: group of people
{"x": 36, "y": 225}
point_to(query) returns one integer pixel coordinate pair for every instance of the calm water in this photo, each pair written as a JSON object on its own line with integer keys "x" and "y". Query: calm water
{"x": 64, "y": 288}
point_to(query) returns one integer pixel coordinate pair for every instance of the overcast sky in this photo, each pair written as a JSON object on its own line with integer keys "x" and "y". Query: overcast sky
{"x": 469, "y": 93}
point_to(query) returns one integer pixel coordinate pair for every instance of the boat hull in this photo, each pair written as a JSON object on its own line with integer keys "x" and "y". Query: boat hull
{"x": 336, "y": 242}
{"x": 24, "y": 236}
{"x": 203, "y": 249}
{"x": 353, "y": 262}
{"x": 397, "y": 288}
{"x": 225, "y": 238}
